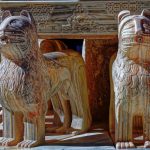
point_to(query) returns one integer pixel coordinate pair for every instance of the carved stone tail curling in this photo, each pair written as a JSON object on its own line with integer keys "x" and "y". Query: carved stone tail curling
{"x": 29, "y": 79}
{"x": 131, "y": 78}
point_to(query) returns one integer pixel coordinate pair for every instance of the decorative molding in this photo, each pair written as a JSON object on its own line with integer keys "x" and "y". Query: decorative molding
{"x": 88, "y": 17}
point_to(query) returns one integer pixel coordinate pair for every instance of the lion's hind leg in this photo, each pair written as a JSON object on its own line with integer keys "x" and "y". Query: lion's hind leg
{"x": 66, "y": 127}
{"x": 61, "y": 105}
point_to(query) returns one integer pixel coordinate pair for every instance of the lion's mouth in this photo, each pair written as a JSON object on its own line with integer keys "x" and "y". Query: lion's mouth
{"x": 7, "y": 37}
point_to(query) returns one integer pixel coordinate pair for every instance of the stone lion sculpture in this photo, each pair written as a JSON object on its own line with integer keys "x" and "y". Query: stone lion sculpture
{"x": 131, "y": 78}
{"x": 29, "y": 79}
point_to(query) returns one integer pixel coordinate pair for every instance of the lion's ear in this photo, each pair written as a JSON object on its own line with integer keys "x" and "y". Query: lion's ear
{"x": 26, "y": 14}
{"x": 123, "y": 14}
{"x": 146, "y": 13}
{"x": 6, "y": 14}
{"x": 29, "y": 16}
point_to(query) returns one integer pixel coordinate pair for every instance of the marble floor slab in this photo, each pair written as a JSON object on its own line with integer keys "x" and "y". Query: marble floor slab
{"x": 94, "y": 140}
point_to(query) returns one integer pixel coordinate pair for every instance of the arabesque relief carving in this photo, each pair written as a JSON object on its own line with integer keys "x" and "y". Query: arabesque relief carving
{"x": 88, "y": 17}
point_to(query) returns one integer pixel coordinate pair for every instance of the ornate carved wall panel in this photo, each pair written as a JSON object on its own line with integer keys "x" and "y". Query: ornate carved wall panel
{"x": 86, "y": 18}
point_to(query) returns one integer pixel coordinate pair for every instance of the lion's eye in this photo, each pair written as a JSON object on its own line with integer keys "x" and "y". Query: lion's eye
{"x": 139, "y": 39}
{"x": 13, "y": 21}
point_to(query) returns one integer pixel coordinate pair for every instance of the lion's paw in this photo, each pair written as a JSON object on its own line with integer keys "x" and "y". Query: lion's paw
{"x": 29, "y": 143}
{"x": 147, "y": 144}
{"x": 124, "y": 145}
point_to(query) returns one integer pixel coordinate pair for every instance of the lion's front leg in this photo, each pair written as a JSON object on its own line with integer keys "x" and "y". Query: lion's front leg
{"x": 7, "y": 126}
{"x": 18, "y": 130}
{"x": 39, "y": 133}
{"x": 123, "y": 126}
{"x": 34, "y": 134}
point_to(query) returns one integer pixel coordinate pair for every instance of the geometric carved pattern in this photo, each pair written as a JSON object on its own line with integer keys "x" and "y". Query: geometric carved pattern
{"x": 88, "y": 17}
{"x": 115, "y": 7}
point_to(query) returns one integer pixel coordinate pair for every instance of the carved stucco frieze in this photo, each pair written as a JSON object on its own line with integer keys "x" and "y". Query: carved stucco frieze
{"x": 89, "y": 17}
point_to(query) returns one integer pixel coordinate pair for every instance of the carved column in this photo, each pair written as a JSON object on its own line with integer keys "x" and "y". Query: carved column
{"x": 97, "y": 56}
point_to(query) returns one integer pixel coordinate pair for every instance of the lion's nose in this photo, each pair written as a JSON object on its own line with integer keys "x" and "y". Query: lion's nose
{"x": 138, "y": 27}
{"x": 139, "y": 32}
